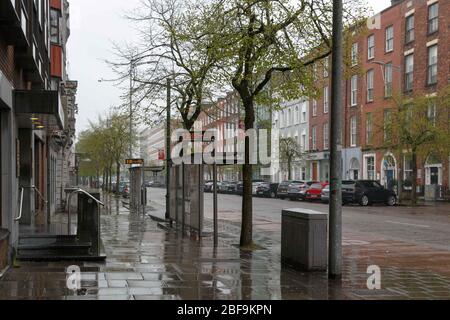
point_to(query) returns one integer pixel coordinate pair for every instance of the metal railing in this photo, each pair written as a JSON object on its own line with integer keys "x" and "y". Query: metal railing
{"x": 22, "y": 189}
{"x": 19, "y": 217}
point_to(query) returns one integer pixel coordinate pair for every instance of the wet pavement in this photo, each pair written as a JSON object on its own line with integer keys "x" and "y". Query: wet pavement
{"x": 146, "y": 262}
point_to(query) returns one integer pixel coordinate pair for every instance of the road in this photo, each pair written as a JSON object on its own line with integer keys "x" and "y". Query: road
{"x": 426, "y": 225}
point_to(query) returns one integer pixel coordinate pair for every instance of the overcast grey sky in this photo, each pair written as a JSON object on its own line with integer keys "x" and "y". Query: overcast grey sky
{"x": 94, "y": 26}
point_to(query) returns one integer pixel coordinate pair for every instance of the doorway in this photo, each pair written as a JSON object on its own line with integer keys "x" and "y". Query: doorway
{"x": 354, "y": 169}
{"x": 315, "y": 171}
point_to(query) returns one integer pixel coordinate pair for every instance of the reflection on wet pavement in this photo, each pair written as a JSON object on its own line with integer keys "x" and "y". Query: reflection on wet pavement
{"x": 146, "y": 262}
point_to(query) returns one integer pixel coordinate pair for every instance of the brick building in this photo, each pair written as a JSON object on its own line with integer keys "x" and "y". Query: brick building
{"x": 404, "y": 51}
{"x": 37, "y": 111}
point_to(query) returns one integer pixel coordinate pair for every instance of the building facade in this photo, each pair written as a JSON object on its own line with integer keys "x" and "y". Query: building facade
{"x": 405, "y": 53}
{"x": 31, "y": 112}
{"x": 292, "y": 121}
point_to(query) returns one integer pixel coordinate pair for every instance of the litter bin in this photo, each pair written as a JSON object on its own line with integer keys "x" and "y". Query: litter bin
{"x": 304, "y": 235}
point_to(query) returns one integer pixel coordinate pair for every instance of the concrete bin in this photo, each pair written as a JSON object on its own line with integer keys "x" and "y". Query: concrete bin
{"x": 304, "y": 235}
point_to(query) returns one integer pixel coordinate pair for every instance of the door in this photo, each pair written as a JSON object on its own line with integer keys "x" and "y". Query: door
{"x": 434, "y": 176}
{"x": 390, "y": 179}
{"x": 315, "y": 173}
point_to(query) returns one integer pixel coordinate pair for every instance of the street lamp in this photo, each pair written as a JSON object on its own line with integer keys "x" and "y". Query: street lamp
{"x": 131, "y": 75}
{"x": 383, "y": 71}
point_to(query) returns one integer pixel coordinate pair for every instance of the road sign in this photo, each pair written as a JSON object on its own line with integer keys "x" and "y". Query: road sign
{"x": 134, "y": 161}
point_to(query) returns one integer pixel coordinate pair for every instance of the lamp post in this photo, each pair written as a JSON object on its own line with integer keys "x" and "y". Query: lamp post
{"x": 335, "y": 216}
{"x": 130, "y": 102}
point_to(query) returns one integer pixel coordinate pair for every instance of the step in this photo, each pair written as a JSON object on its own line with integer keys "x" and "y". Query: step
{"x": 41, "y": 240}
{"x": 57, "y": 246}
{"x": 61, "y": 257}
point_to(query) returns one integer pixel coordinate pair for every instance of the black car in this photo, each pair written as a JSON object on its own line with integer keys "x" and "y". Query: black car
{"x": 283, "y": 189}
{"x": 240, "y": 188}
{"x": 348, "y": 188}
{"x": 367, "y": 192}
{"x": 267, "y": 189}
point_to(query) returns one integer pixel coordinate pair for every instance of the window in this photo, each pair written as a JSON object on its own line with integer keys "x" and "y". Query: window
{"x": 370, "y": 79}
{"x": 353, "y": 131}
{"x": 354, "y": 89}
{"x": 408, "y": 171}
{"x": 326, "y": 101}
{"x": 354, "y": 56}
{"x": 409, "y": 72}
{"x": 303, "y": 142}
{"x": 297, "y": 115}
{"x": 409, "y": 34}
{"x": 303, "y": 174}
{"x": 432, "y": 64}
{"x": 369, "y": 129}
{"x": 371, "y": 47}
{"x": 388, "y": 78}
{"x": 314, "y": 108}
{"x": 370, "y": 168}
{"x": 433, "y": 18}
{"x": 304, "y": 114}
{"x": 389, "y": 39}
{"x": 387, "y": 125}
{"x": 314, "y": 138}
{"x": 326, "y": 65}
{"x": 326, "y": 136}
{"x": 432, "y": 112}
{"x": 289, "y": 120}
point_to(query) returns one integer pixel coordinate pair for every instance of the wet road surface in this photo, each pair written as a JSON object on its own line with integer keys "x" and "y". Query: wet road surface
{"x": 150, "y": 263}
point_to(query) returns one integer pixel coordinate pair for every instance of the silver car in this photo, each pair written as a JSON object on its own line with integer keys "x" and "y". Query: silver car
{"x": 325, "y": 195}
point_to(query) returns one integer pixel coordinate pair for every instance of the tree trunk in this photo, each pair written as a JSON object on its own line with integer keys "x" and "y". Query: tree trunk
{"x": 414, "y": 178}
{"x": 105, "y": 181}
{"x": 117, "y": 177}
{"x": 110, "y": 172}
{"x": 289, "y": 169}
{"x": 247, "y": 200}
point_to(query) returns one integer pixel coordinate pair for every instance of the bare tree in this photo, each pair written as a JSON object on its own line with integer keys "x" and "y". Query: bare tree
{"x": 272, "y": 42}
{"x": 290, "y": 151}
{"x": 172, "y": 46}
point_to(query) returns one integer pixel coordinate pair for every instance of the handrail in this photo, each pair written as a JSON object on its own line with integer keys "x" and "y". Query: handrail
{"x": 72, "y": 192}
{"x": 39, "y": 194}
{"x": 35, "y": 189}
{"x": 21, "y": 205}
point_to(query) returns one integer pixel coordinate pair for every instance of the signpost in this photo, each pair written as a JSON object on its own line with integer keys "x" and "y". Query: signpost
{"x": 134, "y": 162}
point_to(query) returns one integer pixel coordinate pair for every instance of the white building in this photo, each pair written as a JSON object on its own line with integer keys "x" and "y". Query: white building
{"x": 153, "y": 145}
{"x": 292, "y": 121}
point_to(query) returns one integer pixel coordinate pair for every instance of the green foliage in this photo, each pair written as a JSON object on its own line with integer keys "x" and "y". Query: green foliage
{"x": 105, "y": 144}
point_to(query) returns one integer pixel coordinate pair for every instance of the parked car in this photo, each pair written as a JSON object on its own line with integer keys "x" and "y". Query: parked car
{"x": 348, "y": 186}
{"x": 232, "y": 187}
{"x": 314, "y": 192}
{"x": 149, "y": 184}
{"x": 297, "y": 189}
{"x": 283, "y": 189}
{"x": 267, "y": 189}
{"x": 208, "y": 186}
{"x": 240, "y": 188}
{"x": 255, "y": 185}
{"x": 367, "y": 192}
{"x": 222, "y": 187}
{"x": 126, "y": 191}
{"x": 122, "y": 186}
